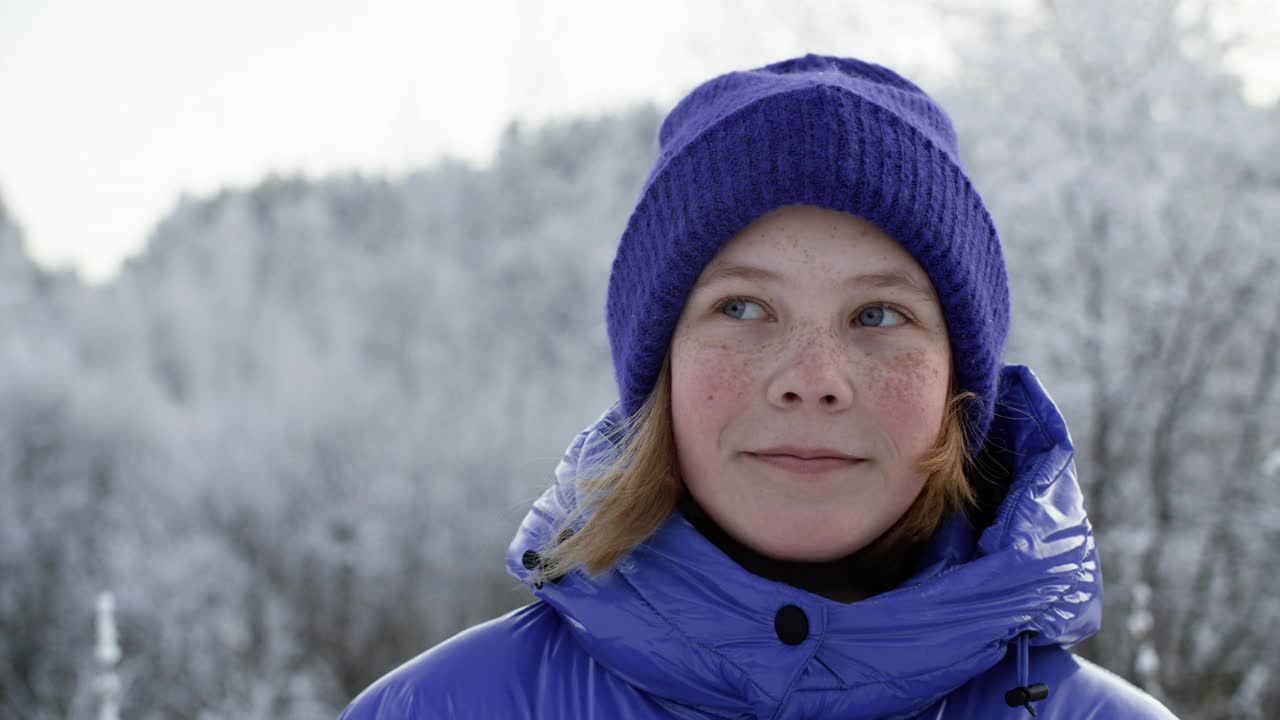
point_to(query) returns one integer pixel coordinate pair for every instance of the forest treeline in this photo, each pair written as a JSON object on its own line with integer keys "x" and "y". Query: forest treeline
{"x": 295, "y": 435}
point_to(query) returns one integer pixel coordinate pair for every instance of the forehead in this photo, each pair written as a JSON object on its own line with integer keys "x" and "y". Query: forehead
{"x": 812, "y": 233}
{"x": 803, "y": 243}
{"x": 874, "y": 280}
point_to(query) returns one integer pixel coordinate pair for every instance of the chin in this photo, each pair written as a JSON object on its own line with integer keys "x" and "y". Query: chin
{"x": 806, "y": 547}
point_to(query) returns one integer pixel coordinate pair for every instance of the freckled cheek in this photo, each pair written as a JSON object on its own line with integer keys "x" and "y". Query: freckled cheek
{"x": 709, "y": 384}
{"x": 908, "y": 394}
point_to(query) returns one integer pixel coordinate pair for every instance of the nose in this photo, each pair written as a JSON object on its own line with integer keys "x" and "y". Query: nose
{"x": 815, "y": 373}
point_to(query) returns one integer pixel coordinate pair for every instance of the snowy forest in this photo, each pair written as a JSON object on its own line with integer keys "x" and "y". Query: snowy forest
{"x": 295, "y": 435}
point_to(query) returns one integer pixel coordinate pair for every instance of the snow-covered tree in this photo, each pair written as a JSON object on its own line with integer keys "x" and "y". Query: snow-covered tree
{"x": 296, "y": 434}
{"x": 1136, "y": 195}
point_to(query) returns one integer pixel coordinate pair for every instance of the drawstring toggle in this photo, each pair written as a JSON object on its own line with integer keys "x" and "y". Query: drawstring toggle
{"x": 1026, "y": 692}
{"x": 1024, "y": 696}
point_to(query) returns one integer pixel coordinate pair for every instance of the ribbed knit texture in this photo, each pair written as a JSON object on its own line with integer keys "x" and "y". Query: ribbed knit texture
{"x": 833, "y": 132}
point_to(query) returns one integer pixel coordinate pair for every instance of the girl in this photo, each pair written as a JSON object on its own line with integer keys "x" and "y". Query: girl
{"x": 820, "y": 494}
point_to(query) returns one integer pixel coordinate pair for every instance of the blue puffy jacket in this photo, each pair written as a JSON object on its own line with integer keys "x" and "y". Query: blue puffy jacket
{"x": 678, "y": 630}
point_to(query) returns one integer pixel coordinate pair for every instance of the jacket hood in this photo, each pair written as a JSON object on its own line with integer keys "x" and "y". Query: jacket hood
{"x": 683, "y": 622}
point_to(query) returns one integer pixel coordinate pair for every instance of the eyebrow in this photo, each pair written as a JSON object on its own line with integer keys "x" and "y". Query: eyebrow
{"x": 875, "y": 280}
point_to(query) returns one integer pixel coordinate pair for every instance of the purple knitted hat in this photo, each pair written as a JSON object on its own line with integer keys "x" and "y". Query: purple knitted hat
{"x": 837, "y": 133}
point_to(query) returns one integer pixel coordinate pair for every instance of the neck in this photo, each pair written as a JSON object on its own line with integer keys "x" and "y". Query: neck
{"x": 858, "y": 576}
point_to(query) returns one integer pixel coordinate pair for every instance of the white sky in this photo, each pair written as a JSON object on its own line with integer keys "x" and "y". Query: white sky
{"x": 108, "y": 111}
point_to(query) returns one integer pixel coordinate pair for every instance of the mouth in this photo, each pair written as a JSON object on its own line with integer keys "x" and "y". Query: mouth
{"x": 805, "y": 465}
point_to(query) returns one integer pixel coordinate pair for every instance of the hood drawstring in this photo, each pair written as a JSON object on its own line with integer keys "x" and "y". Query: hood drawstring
{"x": 1025, "y": 693}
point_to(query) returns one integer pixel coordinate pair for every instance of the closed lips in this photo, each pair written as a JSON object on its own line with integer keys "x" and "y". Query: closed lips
{"x": 816, "y": 464}
{"x": 806, "y": 453}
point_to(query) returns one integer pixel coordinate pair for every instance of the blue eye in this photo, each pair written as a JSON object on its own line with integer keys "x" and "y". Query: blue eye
{"x": 737, "y": 308}
{"x": 880, "y": 316}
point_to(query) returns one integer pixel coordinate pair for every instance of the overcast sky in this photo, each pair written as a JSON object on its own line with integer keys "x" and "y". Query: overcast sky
{"x": 108, "y": 111}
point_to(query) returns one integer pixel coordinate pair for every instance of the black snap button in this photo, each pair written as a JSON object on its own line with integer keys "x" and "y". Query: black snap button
{"x": 531, "y": 559}
{"x": 791, "y": 624}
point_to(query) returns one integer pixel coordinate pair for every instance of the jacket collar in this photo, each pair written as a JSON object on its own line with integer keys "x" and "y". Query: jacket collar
{"x": 681, "y": 621}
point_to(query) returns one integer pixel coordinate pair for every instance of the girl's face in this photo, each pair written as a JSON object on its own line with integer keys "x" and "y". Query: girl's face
{"x": 809, "y": 373}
